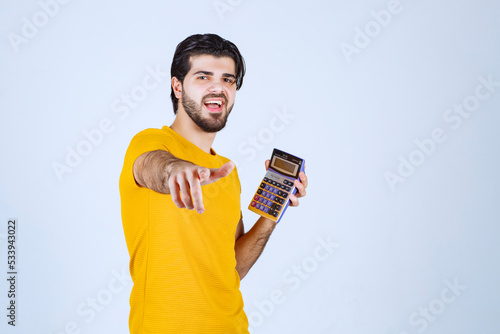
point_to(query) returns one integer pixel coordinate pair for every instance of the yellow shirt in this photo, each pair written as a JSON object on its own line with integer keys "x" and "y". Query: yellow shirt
{"x": 182, "y": 263}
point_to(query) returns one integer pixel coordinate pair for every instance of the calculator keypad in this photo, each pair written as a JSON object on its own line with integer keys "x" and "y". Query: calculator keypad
{"x": 271, "y": 196}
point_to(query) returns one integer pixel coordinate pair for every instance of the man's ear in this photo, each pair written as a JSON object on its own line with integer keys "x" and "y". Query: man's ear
{"x": 177, "y": 87}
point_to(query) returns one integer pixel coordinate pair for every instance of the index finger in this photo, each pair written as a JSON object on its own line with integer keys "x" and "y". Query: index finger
{"x": 303, "y": 179}
{"x": 196, "y": 194}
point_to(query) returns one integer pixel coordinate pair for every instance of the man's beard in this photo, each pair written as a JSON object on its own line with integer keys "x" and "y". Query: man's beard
{"x": 214, "y": 122}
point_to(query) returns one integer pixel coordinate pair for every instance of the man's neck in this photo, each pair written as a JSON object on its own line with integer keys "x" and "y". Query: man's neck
{"x": 185, "y": 127}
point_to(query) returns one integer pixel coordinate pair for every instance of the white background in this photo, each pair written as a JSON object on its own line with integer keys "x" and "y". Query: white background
{"x": 353, "y": 117}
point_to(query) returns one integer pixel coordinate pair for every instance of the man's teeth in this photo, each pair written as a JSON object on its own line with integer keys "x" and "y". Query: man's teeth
{"x": 219, "y": 103}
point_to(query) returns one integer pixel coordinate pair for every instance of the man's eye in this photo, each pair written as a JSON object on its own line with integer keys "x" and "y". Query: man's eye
{"x": 228, "y": 80}
{"x": 203, "y": 77}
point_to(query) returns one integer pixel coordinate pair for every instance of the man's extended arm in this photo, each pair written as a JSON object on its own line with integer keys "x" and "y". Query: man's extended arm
{"x": 164, "y": 173}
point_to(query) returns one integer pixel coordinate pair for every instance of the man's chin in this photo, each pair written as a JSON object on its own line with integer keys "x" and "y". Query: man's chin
{"x": 212, "y": 125}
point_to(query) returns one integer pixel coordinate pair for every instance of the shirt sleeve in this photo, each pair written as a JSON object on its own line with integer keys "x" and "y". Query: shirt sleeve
{"x": 145, "y": 141}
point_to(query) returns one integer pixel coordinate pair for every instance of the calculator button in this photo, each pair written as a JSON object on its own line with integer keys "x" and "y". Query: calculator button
{"x": 275, "y": 214}
{"x": 256, "y": 197}
{"x": 279, "y": 185}
{"x": 285, "y": 195}
{"x": 288, "y": 188}
{"x": 259, "y": 191}
{"x": 278, "y": 207}
{"x": 266, "y": 179}
{"x": 253, "y": 203}
{"x": 262, "y": 185}
{"x": 275, "y": 190}
{"x": 267, "y": 187}
{"x": 266, "y": 210}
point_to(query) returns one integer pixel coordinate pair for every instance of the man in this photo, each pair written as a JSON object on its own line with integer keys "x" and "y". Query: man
{"x": 181, "y": 204}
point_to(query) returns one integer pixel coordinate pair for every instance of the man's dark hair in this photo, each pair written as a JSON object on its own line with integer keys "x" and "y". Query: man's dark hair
{"x": 206, "y": 44}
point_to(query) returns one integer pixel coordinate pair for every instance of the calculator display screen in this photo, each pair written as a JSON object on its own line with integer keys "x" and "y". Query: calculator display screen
{"x": 285, "y": 167}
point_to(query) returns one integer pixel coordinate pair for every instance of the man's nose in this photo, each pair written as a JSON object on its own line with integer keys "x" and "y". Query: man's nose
{"x": 216, "y": 88}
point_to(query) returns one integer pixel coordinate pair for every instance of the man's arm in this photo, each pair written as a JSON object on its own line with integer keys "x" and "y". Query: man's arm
{"x": 248, "y": 246}
{"x": 164, "y": 173}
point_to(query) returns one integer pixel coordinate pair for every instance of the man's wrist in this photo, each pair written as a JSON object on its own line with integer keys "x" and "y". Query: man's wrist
{"x": 267, "y": 224}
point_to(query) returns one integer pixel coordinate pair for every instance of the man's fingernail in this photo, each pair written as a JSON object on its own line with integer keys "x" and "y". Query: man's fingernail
{"x": 201, "y": 211}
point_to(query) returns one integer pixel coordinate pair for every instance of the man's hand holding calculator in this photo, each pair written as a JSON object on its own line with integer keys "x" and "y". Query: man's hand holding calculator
{"x": 285, "y": 177}
{"x": 300, "y": 185}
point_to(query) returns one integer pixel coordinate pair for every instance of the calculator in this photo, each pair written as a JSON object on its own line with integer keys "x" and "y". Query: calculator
{"x": 272, "y": 197}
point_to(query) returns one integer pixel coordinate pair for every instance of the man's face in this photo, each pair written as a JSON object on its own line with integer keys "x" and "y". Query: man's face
{"x": 208, "y": 91}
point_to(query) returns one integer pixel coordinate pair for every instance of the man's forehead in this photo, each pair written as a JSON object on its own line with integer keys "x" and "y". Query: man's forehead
{"x": 212, "y": 63}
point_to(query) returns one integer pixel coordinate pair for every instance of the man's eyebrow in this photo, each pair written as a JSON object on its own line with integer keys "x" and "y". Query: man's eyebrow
{"x": 203, "y": 72}
{"x": 225, "y": 75}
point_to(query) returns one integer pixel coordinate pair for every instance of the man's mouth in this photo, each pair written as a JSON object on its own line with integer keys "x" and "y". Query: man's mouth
{"x": 214, "y": 105}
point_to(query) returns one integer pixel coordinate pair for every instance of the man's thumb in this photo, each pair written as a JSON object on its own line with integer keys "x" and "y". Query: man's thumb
{"x": 223, "y": 171}
{"x": 229, "y": 167}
